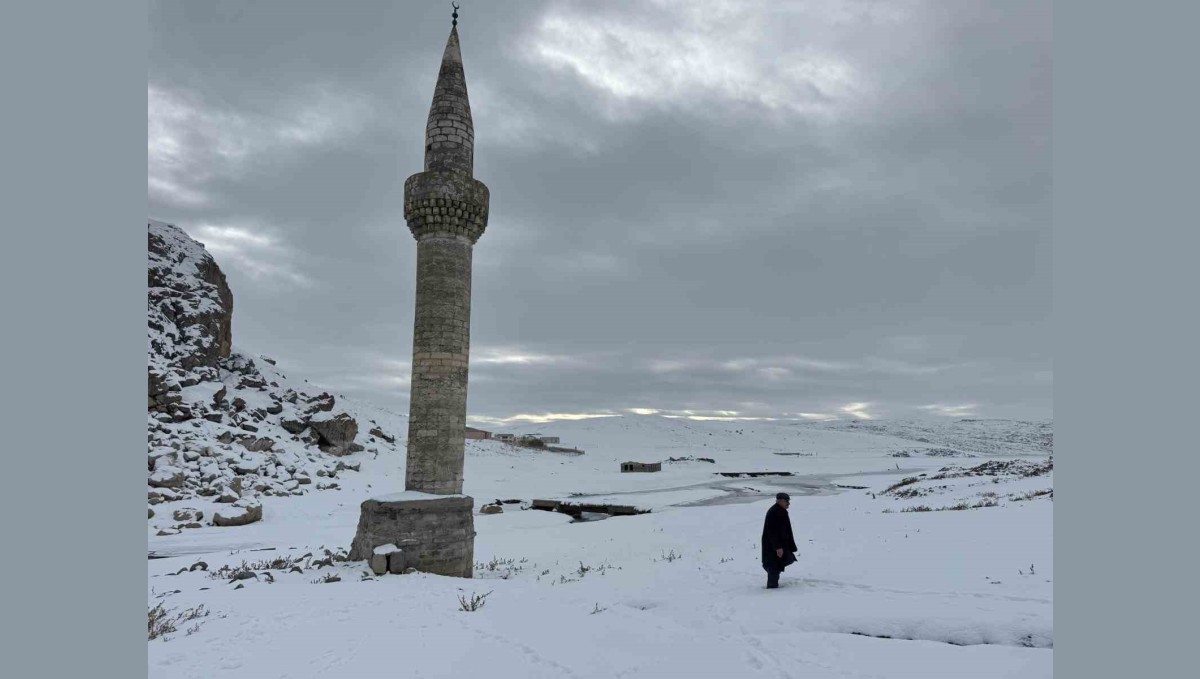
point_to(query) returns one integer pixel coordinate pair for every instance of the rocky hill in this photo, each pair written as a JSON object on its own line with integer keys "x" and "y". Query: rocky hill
{"x": 224, "y": 429}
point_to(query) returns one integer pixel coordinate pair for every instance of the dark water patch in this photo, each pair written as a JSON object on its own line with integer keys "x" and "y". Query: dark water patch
{"x": 752, "y": 475}
{"x": 579, "y": 510}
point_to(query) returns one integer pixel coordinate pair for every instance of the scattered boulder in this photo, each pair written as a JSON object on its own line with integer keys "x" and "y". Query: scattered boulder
{"x": 321, "y": 403}
{"x": 335, "y": 434}
{"x": 492, "y": 509}
{"x": 274, "y": 409}
{"x": 246, "y": 467}
{"x": 261, "y": 444}
{"x": 293, "y": 426}
{"x": 151, "y": 510}
{"x": 187, "y": 514}
{"x": 167, "y": 477}
{"x": 240, "y": 513}
{"x": 376, "y": 431}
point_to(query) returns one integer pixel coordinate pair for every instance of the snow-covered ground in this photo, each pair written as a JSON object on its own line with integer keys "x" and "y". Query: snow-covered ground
{"x": 877, "y": 591}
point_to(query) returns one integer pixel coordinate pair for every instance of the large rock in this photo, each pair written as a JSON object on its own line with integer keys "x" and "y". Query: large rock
{"x": 293, "y": 426}
{"x": 239, "y": 514}
{"x": 335, "y": 434}
{"x": 321, "y": 404}
{"x": 167, "y": 477}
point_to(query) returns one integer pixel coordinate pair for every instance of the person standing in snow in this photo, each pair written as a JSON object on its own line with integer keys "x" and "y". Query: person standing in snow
{"x": 778, "y": 545}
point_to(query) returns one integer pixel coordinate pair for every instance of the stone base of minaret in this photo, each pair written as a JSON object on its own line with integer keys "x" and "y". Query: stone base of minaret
{"x": 436, "y": 532}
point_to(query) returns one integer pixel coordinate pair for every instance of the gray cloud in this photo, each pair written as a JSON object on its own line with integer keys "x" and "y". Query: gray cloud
{"x": 805, "y": 206}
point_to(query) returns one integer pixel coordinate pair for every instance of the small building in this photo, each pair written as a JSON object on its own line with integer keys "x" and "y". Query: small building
{"x": 549, "y": 439}
{"x": 473, "y": 433}
{"x": 507, "y": 438}
{"x": 641, "y": 467}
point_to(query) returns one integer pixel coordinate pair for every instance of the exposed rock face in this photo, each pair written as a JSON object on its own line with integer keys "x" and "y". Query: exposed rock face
{"x": 189, "y": 305}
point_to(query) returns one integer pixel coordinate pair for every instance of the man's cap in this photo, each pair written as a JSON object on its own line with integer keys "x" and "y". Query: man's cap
{"x": 783, "y": 496}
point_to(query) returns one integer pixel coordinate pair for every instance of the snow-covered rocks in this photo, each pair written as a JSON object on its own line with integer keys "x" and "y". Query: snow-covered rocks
{"x": 187, "y": 514}
{"x": 220, "y": 426}
{"x": 388, "y": 559}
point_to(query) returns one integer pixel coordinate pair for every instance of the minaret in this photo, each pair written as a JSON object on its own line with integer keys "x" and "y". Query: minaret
{"x": 447, "y": 211}
{"x": 431, "y": 526}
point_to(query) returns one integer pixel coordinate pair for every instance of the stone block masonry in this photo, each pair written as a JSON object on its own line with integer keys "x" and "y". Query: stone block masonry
{"x": 447, "y": 211}
{"x": 441, "y": 347}
{"x": 435, "y": 532}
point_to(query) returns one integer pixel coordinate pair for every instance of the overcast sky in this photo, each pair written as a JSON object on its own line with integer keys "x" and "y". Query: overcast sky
{"x": 820, "y": 209}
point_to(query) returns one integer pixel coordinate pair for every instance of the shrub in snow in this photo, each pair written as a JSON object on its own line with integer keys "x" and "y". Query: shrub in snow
{"x": 474, "y": 603}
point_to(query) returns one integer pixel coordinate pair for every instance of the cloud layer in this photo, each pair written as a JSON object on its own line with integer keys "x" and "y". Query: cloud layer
{"x": 708, "y": 209}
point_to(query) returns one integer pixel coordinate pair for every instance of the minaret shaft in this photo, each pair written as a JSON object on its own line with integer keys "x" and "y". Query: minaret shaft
{"x": 441, "y": 349}
{"x": 447, "y": 211}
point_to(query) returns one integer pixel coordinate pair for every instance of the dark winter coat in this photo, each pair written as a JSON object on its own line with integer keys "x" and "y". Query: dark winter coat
{"x": 777, "y": 533}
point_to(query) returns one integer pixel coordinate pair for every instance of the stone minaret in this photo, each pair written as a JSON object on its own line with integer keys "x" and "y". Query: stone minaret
{"x": 446, "y": 210}
{"x": 431, "y": 524}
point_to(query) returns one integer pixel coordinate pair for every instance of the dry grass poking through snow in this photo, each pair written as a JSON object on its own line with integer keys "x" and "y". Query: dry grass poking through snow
{"x": 163, "y": 622}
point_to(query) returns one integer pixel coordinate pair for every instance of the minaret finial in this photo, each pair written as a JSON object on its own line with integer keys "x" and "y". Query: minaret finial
{"x": 455, "y": 15}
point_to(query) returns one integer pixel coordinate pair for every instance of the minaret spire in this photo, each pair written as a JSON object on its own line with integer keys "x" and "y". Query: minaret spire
{"x": 450, "y": 133}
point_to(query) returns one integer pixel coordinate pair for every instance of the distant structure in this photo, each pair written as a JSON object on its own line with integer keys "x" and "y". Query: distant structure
{"x": 641, "y": 466}
{"x": 477, "y": 434}
{"x": 507, "y": 438}
{"x": 550, "y": 439}
{"x": 447, "y": 210}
